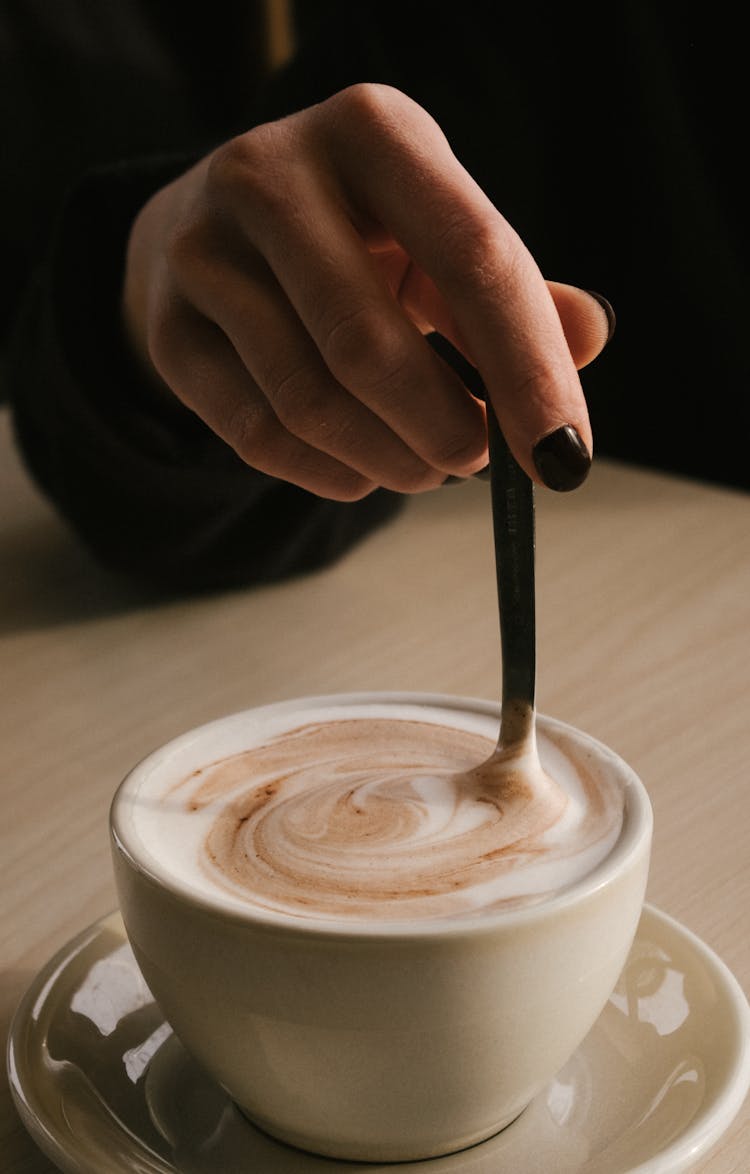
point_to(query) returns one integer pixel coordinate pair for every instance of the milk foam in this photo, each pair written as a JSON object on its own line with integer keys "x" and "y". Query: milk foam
{"x": 377, "y": 812}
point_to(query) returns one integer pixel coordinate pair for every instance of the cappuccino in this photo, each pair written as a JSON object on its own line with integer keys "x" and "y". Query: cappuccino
{"x": 378, "y": 937}
{"x": 379, "y": 812}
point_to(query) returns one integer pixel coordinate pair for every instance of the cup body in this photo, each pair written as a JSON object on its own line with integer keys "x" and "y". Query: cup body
{"x": 389, "y": 1042}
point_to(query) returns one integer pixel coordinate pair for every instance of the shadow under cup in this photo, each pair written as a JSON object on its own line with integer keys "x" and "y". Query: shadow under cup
{"x": 380, "y": 1041}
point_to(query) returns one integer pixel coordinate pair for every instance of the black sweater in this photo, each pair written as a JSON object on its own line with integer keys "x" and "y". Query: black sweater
{"x": 615, "y": 150}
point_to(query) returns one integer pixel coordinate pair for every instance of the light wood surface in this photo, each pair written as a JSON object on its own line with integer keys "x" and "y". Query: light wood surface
{"x": 643, "y": 622}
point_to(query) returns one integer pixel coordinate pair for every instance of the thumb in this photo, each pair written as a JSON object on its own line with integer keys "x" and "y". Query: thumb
{"x": 587, "y": 319}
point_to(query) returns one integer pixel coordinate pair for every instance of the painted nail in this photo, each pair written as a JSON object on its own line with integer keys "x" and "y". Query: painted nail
{"x": 562, "y": 459}
{"x": 607, "y": 307}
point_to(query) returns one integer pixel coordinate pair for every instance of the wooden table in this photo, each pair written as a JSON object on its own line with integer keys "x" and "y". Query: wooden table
{"x": 643, "y": 622}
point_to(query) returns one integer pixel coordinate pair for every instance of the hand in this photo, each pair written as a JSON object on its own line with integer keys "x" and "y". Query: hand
{"x": 282, "y": 288}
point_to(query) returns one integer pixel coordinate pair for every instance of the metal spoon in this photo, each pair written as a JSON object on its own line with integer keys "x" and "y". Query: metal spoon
{"x": 513, "y": 772}
{"x": 512, "y": 493}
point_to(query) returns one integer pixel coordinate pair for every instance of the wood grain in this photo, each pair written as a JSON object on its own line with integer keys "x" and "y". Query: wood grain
{"x": 643, "y": 617}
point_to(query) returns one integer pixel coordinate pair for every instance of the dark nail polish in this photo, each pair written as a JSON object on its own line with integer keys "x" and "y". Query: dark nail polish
{"x": 607, "y": 307}
{"x": 562, "y": 459}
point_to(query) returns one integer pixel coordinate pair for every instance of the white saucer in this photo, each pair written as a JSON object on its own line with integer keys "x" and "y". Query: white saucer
{"x": 105, "y": 1088}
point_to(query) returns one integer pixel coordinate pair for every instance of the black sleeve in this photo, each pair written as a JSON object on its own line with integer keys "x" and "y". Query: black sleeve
{"x": 158, "y": 498}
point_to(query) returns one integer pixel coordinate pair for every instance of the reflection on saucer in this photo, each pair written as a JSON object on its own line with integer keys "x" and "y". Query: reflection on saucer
{"x": 101, "y": 1081}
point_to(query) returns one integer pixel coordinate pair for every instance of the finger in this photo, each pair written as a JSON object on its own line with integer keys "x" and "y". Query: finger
{"x": 404, "y": 173}
{"x": 364, "y": 340}
{"x": 587, "y": 319}
{"x": 242, "y": 297}
{"x": 200, "y": 365}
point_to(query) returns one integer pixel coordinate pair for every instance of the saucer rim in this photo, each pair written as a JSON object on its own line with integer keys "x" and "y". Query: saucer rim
{"x": 701, "y": 1135}
{"x": 696, "y": 1141}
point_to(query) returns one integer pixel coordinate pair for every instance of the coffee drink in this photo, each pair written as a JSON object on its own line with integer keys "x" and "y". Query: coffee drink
{"x": 380, "y": 938}
{"x": 387, "y": 813}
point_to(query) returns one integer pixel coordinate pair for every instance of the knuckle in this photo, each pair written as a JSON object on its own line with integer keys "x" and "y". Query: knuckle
{"x": 197, "y": 253}
{"x": 235, "y": 162}
{"x": 307, "y": 408}
{"x": 301, "y": 403}
{"x": 460, "y": 448}
{"x": 476, "y": 252}
{"x": 249, "y": 428}
{"x": 349, "y": 486}
{"x": 369, "y": 104}
{"x": 537, "y": 385}
{"x": 183, "y": 244}
{"x": 416, "y": 479}
{"x": 334, "y": 433}
{"x": 363, "y": 353}
{"x": 464, "y": 243}
{"x": 349, "y": 339}
{"x": 165, "y": 336}
{"x": 329, "y": 478}
{"x": 161, "y": 350}
{"x": 245, "y": 172}
{"x": 379, "y": 115}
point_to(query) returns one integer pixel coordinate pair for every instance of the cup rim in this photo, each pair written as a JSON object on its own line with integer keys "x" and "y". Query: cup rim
{"x": 636, "y": 833}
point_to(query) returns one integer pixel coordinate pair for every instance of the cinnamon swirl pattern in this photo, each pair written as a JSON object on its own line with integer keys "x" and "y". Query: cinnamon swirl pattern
{"x": 371, "y": 817}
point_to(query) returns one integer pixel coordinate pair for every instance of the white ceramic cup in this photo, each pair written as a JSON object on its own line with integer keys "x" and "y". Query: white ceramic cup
{"x": 388, "y": 1042}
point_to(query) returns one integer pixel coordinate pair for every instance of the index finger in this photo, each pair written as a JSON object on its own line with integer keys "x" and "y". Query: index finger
{"x": 403, "y": 173}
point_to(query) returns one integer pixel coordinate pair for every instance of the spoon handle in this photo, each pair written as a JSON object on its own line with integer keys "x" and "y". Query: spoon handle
{"x": 513, "y": 522}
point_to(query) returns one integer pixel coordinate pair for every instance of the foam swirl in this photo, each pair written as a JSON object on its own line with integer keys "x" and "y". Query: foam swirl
{"x": 371, "y": 817}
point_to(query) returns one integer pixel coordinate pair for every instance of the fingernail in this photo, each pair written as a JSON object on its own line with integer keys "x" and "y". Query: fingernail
{"x": 607, "y": 307}
{"x": 562, "y": 459}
